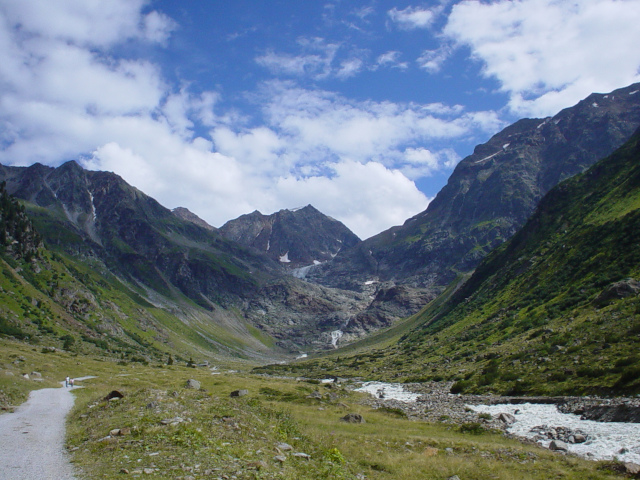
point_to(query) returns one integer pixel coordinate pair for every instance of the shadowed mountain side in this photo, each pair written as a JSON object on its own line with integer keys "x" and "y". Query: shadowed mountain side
{"x": 489, "y": 196}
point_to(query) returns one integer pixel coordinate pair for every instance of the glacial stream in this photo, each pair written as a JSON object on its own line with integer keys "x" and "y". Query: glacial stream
{"x": 605, "y": 440}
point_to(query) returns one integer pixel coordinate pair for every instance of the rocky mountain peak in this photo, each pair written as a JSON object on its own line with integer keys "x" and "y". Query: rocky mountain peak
{"x": 186, "y": 214}
{"x": 295, "y": 238}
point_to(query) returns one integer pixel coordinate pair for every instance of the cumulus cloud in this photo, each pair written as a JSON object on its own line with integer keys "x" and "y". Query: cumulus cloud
{"x": 548, "y": 54}
{"x": 355, "y": 193}
{"x": 68, "y": 95}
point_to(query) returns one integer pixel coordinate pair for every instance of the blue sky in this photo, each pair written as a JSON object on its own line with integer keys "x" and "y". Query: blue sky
{"x": 360, "y": 108}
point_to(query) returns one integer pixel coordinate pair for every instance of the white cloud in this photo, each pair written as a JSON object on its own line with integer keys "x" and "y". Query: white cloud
{"x": 422, "y": 162}
{"x": 316, "y": 61}
{"x": 95, "y": 23}
{"x": 390, "y": 59}
{"x": 432, "y": 60}
{"x": 412, "y": 17}
{"x": 67, "y": 95}
{"x": 549, "y": 54}
{"x": 349, "y": 68}
{"x": 368, "y": 198}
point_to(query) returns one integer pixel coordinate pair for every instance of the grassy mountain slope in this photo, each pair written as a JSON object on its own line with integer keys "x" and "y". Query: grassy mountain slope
{"x": 553, "y": 311}
{"x": 78, "y": 304}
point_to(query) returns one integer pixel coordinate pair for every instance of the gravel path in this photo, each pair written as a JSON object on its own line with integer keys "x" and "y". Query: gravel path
{"x": 32, "y": 437}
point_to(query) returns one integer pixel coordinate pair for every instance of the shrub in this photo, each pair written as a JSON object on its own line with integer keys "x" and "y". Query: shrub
{"x": 473, "y": 428}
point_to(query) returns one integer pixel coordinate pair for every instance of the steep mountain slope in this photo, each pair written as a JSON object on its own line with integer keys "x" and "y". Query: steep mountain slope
{"x": 555, "y": 310}
{"x": 175, "y": 264}
{"x": 488, "y": 197}
{"x": 296, "y": 238}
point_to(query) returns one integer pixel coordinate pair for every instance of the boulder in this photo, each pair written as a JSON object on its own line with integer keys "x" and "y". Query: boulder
{"x": 114, "y": 394}
{"x": 284, "y": 447}
{"x": 506, "y": 418}
{"x": 353, "y": 418}
{"x": 558, "y": 446}
{"x": 632, "y": 468}
{"x": 239, "y": 393}
{"x": 193, "y": 384}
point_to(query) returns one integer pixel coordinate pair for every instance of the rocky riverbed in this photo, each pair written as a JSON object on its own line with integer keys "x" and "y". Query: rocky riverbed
{"x": 595, "y": 428}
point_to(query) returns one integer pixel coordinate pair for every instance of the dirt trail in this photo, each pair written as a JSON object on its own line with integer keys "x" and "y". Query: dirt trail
{"x": 32, "y": 437}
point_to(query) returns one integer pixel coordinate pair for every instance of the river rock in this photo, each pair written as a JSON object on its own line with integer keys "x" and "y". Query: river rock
{"x": 507, "y": 418}
{"x": 558, "y": 446}
{"x": 632, "y": 468}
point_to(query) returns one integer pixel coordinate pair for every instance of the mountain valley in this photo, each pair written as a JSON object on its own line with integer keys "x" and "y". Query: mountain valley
{"x": 442, "y": 297}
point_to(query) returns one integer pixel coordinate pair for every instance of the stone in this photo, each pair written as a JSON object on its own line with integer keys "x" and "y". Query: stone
{"x": 114, "y": 394}
{"x": 558, "y": 446}
{"x": 302, "y": 455}
{"x": 259, "y": 465}
{"x": 353, "y": 418}
{"x": 455, "y": 477}
{"x": 172, "y": 421}
{"x": 36, "y": 374}
{"x": 284, "y": 447}
{"x": 239, "y": 393}
{"x": 280, "y": 458}
{"x": 193, "y": 384}
{"x": 632, "y": 468}
{"x": 507, "y": 418}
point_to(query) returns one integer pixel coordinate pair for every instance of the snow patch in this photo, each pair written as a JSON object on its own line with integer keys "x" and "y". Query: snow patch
{"x": 485, "y": 158}
{"x": 285, "y": 258}
{"x": 370, "y": 282}
{"x": 634, "y": 92}
{"x": 594, "y": 104}
{"x": 504, "y": 147}
{"x": 304, "y": 355}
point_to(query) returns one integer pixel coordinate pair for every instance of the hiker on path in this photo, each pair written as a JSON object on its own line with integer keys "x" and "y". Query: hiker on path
{"x": 66, "y": 381}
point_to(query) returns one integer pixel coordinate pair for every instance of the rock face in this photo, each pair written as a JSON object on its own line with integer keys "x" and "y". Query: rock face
{"x": 489, "y": 196}
{"x": 295, "y": 238}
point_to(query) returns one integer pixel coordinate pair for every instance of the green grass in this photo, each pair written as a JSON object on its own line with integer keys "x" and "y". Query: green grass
{"x": 239, "y": 436}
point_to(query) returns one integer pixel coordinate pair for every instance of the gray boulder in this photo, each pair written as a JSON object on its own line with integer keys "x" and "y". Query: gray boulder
{"x": 194, "y": 384}
{"x": 558, "y": 446}
{"x": 353, "y": 418}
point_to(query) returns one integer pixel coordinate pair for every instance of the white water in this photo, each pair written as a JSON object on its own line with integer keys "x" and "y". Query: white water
{"x": 607, "y": 439}
{"x": 335, "y": 336}
{"x": 388, "y": 391}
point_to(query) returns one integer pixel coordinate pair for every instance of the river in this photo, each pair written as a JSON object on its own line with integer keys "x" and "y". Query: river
{"x": 604, "y": 440}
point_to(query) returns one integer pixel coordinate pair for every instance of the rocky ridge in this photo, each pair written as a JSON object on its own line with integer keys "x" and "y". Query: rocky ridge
{"x": 489, "y": 196}
{"x": 295, "y": 238}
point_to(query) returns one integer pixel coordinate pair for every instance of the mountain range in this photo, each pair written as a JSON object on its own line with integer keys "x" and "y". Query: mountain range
{"x": 553, "y": 311}
{"x": 119, "y": 272}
